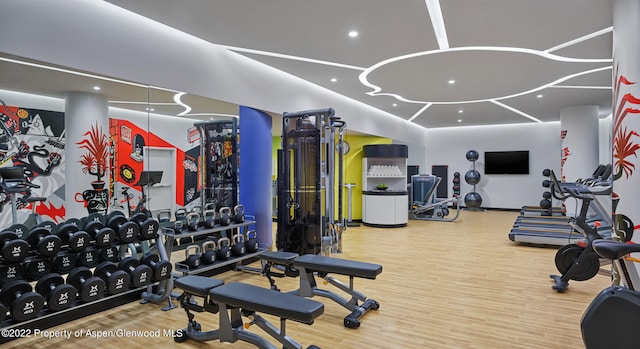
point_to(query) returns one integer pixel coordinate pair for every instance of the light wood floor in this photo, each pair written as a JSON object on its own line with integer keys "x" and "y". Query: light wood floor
{"x": 443, "y": 285}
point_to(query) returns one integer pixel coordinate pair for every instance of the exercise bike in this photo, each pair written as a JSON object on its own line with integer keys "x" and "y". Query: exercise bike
{"x": 147, "y": 179}
{"x": 15, "y": 180}
{"x": 612, "y": 318}
{"x": 578, "y": 261}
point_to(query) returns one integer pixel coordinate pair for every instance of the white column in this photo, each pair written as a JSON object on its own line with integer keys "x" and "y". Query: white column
{"x": 579, "y": 140}
{"x": 86, "y": 115}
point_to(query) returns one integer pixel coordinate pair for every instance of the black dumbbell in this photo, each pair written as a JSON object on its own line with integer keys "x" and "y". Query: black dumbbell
{"x": 46, "y": 245}
{"x": 11, "y": 272}
{"x": 238, "y": 214}
{"x": 93, "y": 217}
{"x": 20, "y": 229}
{"x": 103, "y": 236}
{"x": 223, "y": 253}
{"x": 59, "y": 295}
{"x": 38, "y": 268}
{"x": 90, "y": 288}
{"x": 208, "y": 253}
{"x": 23, "y": 303}
{"x": 64, "y": 263}
{"x": 238, "y": 248}
{"x": 127, "y": 231}
{"x": 224, "y": 216}
{"x": 140, "y": 273}
{"x": 148, "y": 226}
{"x": 109, "y": 254}
{"x": 76, "y": 239}
{"x": 88, "y": 258}
{"x": 251, "y": 241}
{"x": 13, "y": 249}
{"x": 117, "y": 280}
{"x": 161, "y": 268}
{"x": 193, "y": 219}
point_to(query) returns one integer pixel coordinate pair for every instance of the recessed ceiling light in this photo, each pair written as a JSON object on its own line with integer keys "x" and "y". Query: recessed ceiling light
{"x": 451, "y": 82}
{"x": 97, "y": 88}
{"x": 353, "y": 34}
{"x": 460, "y": 111}
{"x": 395, "y": 104}
{"x": 539, "y": 96}
{"x": 334, "y": 79}
{"x": 459, "y": 120}
{"x": 150, "y": 109}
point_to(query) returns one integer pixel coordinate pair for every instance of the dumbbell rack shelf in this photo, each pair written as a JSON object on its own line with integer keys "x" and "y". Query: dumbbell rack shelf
{"x": 184, "y": 269}
{"x": 47, "y": 320}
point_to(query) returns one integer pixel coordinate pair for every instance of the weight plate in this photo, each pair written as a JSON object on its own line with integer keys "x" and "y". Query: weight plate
{"x": 47, "y": 282}
{"x": 79, "y": 241}
{"x": 88, "y": 258}
{"x": 109, "y": 254}
{"x": 64, "y": 263}
{"x": 26, "y": 307}
{"x": 92, "y": 289}
{"x": 39, "y": 268}
{"x": 61, "y": 297}
{"x": 11, "y": 272}
{"x": 20, "y": 229}
{"x": 105, "y": 236}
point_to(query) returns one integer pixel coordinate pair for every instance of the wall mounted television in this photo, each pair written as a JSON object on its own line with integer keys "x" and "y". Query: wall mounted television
{"x": 506, "y": 162}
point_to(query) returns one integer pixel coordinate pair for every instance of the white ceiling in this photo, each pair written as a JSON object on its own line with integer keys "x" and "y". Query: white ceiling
{"x": 502, "y": 54}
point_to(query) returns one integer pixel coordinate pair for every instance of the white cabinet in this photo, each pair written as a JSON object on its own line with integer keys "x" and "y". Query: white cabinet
{"x": 385, "y": 164}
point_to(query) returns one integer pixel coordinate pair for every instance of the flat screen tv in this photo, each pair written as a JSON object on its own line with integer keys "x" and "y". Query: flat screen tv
{"x": 506, "y": 162}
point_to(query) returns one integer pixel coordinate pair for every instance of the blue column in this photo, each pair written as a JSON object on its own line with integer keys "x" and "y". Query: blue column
{"x": 255, "y": 170}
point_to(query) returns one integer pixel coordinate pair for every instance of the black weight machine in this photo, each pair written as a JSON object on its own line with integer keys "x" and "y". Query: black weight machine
{"x": 15, "y": 180}
{"x": 219, "y": 147}
{"x": 312, "y": 143}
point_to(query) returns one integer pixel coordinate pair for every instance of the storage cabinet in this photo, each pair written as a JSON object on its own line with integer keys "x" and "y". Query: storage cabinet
{"x": 385, "y": 164}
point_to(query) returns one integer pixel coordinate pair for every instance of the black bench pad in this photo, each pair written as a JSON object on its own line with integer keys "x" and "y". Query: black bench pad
{"x": 263, "y": 300}
{"x": 312, "y": 262}
{"x": 279, "y": 257}
{"x": 197, "y": 285}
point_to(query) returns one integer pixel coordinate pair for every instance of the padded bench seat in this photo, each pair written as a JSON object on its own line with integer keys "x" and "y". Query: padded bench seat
{"x": 333, "y": 265}
{"x": 267, "y": 301}
{"x": 278, "y": 257}
{"x": 197, "y": 285}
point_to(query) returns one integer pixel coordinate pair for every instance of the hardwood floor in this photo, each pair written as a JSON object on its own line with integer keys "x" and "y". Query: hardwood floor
{"x": 443, "y": 285}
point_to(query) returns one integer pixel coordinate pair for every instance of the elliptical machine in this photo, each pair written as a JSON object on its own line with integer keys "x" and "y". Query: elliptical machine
{"x": 578, "y": 261}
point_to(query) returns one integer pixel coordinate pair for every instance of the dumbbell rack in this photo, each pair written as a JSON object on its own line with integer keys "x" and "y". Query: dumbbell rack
{"x": 181, "y": 269}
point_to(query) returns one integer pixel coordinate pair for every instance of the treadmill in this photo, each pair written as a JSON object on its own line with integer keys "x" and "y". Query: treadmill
{"x": 560, "y": 235}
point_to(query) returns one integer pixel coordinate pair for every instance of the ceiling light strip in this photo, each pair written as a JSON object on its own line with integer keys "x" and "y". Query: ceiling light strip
{"x": 514, "y": 110}
{"x": 437, "y": 21}
{"x": 213, "y": 114}
{"x": 176, "y": 98}
{"x": 426, "y": 106}
{"x": 584, "y": 87}
{"x": 143, "y": 102}
{"x": 67, "y": 71}
{"x": 290, "y": 57}
{"x": 580, "y": 39}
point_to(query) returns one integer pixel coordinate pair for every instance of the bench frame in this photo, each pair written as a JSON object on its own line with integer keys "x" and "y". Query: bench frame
{"x": 309, "y": 286}
{"x": 231, "y": 326}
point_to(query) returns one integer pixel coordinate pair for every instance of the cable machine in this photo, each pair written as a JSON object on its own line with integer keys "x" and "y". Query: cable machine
{"x": 219, "y": 176}
{"x": 311, "y": 145}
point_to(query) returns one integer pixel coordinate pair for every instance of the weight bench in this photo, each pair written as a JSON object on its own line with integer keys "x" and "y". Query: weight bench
{"x": 234, "y": 300}
{"x": 309, "y": 265}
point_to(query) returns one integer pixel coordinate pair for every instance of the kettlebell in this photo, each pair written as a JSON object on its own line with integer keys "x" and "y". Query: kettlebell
{"x": 251, "y": 242}
{"x": 177, "y": 227}
{"x": 224, "y": 216}
{"x": 192, "y": 260}
{"x": 238, "y": 214}
{"x": 238, "y": 248}
{"x": 181, "y": 214}
{"x": 192, "y": 221}
{"x": 223, "y": 252}
{"x": 164, "y": 216}
{"x": 209, "y": 218}
{"x": 208, "y": 255}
